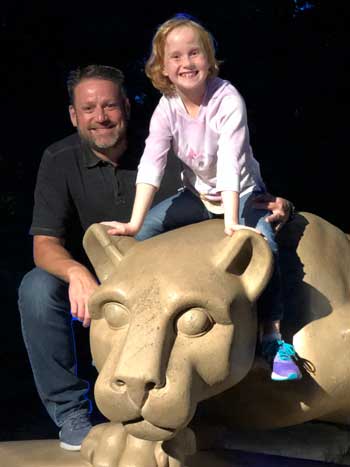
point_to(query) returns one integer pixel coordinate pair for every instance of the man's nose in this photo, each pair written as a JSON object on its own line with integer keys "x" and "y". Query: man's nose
{"x": 101, "y": 114}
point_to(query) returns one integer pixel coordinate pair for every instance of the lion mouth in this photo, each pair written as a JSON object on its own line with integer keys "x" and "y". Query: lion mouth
{"x": 150, "y": 431}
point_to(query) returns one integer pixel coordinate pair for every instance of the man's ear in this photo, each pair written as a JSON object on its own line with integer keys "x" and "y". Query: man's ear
{"x": 73, "y": 115}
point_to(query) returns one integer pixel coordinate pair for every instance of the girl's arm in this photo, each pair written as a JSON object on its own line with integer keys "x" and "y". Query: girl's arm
{"x": 230, "y": 200}
{"x": 150, "y": 172}
{"x": 142, "y": 203}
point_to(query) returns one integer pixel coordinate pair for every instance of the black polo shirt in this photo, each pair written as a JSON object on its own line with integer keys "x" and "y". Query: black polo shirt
{"x": 75, "y": 189}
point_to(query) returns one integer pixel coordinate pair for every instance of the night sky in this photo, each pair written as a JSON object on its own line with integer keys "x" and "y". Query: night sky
{"x": 289, "y": 59}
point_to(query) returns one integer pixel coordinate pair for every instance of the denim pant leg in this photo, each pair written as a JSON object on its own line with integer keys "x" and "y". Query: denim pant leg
{"x": 49, "y": 339}
{"x": 179, "y": 210}
{"x": 271, "y": 302}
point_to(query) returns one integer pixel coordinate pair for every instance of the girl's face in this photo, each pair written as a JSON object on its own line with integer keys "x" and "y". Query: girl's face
{"x": 185, "y": 62}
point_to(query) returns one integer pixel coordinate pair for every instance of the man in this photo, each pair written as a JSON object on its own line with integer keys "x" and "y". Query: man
{"x": 85, "y": 178}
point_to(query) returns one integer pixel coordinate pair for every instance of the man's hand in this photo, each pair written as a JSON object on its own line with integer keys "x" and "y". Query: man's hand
{"x": 121, "y": 228}
{"x": 51, "y": 255}
{"x": 81, "y": 286}
{"x": 280, "y": 207}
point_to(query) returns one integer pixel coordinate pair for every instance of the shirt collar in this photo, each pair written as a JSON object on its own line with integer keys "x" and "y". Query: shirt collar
{"x": 90, "y": 158}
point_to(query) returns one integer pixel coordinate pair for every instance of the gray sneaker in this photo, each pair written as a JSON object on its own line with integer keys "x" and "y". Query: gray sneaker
{"x": 74, "y": 430}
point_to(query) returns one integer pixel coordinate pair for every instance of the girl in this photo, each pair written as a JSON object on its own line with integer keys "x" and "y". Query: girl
{"x": 203, "y": 118}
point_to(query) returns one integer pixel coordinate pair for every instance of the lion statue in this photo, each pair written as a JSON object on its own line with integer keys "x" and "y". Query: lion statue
{"x": 175, "y": 326}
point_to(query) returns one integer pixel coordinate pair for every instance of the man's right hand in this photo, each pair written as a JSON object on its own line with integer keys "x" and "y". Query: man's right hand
{"x": 81, "y": 286}
{"x": 51, "y": 255}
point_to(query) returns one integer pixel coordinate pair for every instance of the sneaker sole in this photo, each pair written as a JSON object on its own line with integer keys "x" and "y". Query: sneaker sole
{"x": 70, "y": 447}
{"x": 293, "y": 376}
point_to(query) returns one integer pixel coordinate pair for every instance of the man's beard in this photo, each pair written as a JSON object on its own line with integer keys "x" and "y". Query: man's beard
{"x": 104, "y": 142}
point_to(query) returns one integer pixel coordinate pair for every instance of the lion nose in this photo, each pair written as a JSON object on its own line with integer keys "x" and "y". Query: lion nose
{"x": 136, "y": 388}
{"x": 141, "y": 366}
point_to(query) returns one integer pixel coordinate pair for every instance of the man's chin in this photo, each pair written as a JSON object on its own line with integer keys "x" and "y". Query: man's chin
{"x": 105, "y": 144}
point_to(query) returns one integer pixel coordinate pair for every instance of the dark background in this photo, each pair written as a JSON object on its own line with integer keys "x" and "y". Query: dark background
{"x": 288, "y": 58}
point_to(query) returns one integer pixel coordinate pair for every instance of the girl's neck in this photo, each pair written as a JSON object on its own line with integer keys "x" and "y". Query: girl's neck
{"x": 192, "y": 101}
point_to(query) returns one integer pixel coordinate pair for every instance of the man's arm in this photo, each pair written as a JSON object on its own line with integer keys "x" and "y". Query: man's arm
{"x": 51, "y": 255}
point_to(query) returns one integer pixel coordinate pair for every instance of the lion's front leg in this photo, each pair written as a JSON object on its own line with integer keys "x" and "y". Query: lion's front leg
{"x": 109, "y": 445}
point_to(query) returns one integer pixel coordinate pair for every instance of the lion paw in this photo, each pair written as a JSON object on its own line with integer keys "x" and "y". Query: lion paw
{"x": 109, "y": 445}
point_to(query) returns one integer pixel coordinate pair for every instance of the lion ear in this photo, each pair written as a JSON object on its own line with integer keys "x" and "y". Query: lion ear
{"x": 247, "y": 255}
{"x": 105, "y": 251}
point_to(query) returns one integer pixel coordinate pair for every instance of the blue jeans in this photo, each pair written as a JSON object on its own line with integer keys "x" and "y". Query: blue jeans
{"x": 49, "y": 339}
{"x": 186, "y": 208}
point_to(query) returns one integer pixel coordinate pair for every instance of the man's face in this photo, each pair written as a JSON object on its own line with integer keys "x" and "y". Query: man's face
{"x": 99, "y": 113}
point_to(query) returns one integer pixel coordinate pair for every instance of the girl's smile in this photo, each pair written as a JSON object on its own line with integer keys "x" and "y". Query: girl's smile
{"x": 185, "y": 63}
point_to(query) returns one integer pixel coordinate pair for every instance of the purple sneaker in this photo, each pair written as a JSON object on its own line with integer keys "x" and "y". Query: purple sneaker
{"x": 281, "y": 356}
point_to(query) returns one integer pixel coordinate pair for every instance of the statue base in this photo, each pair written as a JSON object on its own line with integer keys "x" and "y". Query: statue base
{"x": 47, "y": 453}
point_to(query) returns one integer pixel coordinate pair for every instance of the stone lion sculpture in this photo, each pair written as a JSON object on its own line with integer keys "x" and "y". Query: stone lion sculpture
{"x": 175, "y": 325}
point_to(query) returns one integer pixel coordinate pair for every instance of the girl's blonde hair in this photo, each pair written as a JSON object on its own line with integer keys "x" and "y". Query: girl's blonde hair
{"x": 155, "y": 63}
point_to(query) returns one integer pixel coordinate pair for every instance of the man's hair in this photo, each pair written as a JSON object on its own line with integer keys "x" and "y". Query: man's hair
{"x": 155, "y": 63}
{"x": 105, "y": 72}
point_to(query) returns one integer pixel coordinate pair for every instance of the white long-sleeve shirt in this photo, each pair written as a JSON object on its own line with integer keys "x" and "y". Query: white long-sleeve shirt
{"x": 214, "y": 146}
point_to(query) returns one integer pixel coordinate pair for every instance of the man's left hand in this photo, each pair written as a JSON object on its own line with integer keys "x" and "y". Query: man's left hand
{"x": 281, "y": 209}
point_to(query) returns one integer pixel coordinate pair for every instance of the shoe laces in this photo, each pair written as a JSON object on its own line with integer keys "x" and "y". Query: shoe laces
{"x": 285, "y": 351}
{"x": 278, "y": 347}
{"x": 79, "y": 420}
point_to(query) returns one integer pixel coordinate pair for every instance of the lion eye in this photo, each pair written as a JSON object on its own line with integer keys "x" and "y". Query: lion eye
{"x": 194, "y": 322}
{"x": 116, "y": 315}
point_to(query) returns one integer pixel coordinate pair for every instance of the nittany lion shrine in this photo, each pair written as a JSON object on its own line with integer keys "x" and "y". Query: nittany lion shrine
{"x": 174, "y": 333}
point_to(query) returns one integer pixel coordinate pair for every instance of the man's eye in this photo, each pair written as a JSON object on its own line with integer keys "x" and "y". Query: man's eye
{"x": 112, "y": 106}
{"x": 87, "y": 109}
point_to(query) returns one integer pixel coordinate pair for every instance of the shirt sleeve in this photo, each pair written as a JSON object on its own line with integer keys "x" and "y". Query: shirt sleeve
{"x": 52, "y": 205}
{"x": 233, "y": 143}
{"x": 154, "y": 158}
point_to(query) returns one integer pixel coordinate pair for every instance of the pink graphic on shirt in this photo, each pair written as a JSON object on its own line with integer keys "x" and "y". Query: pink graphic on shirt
{"x": 192, "y": 155}
{"x": 193, "y": 159}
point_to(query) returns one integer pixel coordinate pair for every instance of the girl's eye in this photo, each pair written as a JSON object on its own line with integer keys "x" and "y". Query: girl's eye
{"x": 194, "y": 322}
{"x": 116, "y": 315}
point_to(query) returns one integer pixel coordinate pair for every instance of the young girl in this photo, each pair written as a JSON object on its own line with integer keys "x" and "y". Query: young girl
{"x": 203, "y": 118}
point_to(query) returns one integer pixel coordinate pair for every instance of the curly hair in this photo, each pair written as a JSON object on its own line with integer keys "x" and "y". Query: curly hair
{"x": 155, "y": 63}
{"x": 105, "y": 72}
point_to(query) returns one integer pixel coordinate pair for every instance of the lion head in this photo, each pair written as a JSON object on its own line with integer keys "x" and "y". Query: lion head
{"x": 173, "y": 321}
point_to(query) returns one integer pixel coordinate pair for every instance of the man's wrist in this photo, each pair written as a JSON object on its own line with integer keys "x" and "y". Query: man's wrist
{"x": 76, "y": 269}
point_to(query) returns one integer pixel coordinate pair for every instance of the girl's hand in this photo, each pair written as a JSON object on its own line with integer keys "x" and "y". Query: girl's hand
{"x": 231, "y": 228}
{"x": 121, "y": 228}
